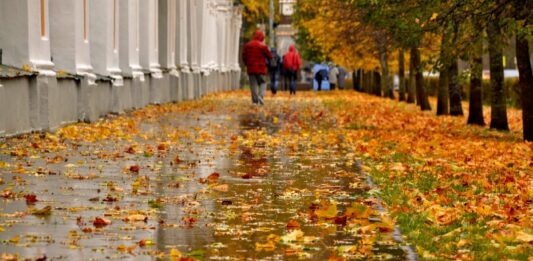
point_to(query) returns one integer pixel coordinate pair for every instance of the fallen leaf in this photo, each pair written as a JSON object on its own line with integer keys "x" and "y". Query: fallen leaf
{"x": 213, "y": 177}
{"x": 30, "y": 199}
{"x": 293, "y": 224}
{"x": 135, "y": 218}
{"x": 177, "y": 160}
{"x": 9, "y": 257}
{"x": 46, "y": 211}
{"x": 101, "y": 222}
{"x": 462, "y": 243}
{"x": 294, "y": 236}
{"x": 221, "y": 188}
{"x": 268, "y": 246}
{"x": 524, "y": 237}
{"x": 327, "y": 210}
{"x": 175, "y": 254}
{"x": 247, "y": 176}
{"x": 135, "y": 169}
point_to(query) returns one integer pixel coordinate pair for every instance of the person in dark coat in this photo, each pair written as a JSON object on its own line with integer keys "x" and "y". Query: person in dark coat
{"x": 255, "y": 54}
{"x": 320, "y": 76}
{"x": 292, "y": 63}
{"x": 283, "y": 76}
{"x": 274, "y": 66}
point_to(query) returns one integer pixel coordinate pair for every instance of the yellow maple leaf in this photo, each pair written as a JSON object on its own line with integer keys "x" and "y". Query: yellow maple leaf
{"x": 175, "y": 254}
{"x": 327, "y": 210}
{"x": 524, "y": 237}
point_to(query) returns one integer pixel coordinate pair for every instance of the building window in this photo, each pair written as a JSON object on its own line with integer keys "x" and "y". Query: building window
{"x": 85, "y": 22}
{"x": 43, "y": 18}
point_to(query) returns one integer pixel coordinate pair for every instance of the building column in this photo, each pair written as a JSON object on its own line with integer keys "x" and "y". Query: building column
{"x": 25, "y": 40}
{"x": 149, "y": 36}
{"x": 69, "y": 30}
{"x": 136, "y": 90}
{"x": 104, "y": 38}
{"x": 237, "y": 16}
{"x": 149, "y": 47}
{"x": 3, "y": 109}
{"x": 129, "y": 53}
{"x": 168, "y": 16}
{"x": 25, "y": 35}
{"x": 212, "y": 37}
{"x": 182, "y": 50}
{"x": 193, "y": 44}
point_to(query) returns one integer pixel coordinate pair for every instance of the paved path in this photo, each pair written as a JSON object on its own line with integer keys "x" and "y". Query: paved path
{"x": 216, "y": 179}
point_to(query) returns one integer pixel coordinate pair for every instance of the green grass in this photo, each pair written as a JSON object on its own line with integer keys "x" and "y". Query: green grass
{"x": 428, "y": 238}
{"x": 355, "y": 126}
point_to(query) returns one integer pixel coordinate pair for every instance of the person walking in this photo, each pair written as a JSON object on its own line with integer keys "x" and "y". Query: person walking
{"x": 255, "y": 54}
{"x": 291, "y": 64}
{"x": 321, "y": 75}
{"x": 283, "y": 75}
{"x": 274, "y": 66}
{"x": 333, "y": 76}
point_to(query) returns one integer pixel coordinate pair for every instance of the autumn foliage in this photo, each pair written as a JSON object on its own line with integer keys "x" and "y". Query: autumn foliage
{"x": 299, "y": 179}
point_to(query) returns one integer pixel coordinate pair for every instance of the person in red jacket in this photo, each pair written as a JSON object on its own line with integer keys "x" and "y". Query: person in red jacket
{"x": 255, "y": 54}
{"x": 291, "y": 64}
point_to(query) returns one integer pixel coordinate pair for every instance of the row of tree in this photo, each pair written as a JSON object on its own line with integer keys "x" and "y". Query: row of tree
{"x": 434, "y": 35}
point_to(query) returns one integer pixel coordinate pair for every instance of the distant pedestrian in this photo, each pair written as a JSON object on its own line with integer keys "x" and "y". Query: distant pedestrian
{"x": 274, "y": 66}
{"x": 320, "y": 76}
{"x": 333, "y": 77}
{"x": 283, "y": 75}
{"x": 291, "y": 64}
{"x": 255, "y": 54}
{"x": 342, "y": 78}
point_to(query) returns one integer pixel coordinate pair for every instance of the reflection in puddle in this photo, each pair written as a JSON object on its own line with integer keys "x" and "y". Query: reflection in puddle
{"x": 281, "y": 176}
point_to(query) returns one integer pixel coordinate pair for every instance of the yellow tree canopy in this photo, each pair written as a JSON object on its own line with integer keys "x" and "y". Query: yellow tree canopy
{"x": 336, "y": 27}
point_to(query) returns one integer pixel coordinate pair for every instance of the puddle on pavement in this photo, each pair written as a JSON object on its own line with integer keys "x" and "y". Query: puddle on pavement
{"x": 276, "y": 166}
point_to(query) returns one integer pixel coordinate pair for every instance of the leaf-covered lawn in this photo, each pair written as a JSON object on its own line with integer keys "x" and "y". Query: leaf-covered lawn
{"x": 456, "y": 191}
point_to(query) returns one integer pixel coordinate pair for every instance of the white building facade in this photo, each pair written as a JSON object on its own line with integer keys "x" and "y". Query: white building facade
{"x": 64, "y": 61}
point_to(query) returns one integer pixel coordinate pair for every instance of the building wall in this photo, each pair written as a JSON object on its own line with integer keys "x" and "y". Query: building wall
{"x": 14, "y": 103}
{"x": 63, "y": 34}
{"x": 112, "y": 55}
{"x": 14, "y": 32}
{"x": 129, "y": 50}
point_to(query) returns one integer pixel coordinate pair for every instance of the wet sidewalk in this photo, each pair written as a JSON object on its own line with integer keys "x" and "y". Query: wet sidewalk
{"x": 216, "y": 179}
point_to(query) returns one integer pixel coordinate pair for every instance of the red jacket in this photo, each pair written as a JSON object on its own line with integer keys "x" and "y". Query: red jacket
{"x": 292, "y": 60}
{"x": 255, "y": 54}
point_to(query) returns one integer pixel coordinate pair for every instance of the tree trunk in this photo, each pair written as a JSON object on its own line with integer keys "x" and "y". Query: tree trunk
{"x": 421, "y": 94}
{"x": 455, "y": 90}
{"x": 498, "y": 106}
{"x": 369, "y": 81}
{"x": 386, "y": 85}
{"x": 401, "y": 74}
{"x": 411, "y": 96}
{"x": 442, "y": 94}
{"x": 377, "y": 84}
{"x": 354, "y": 80}
{"x": 360, "y": 81}
{"x": 475, "y": 109}
{"x": 526, "y": 83}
